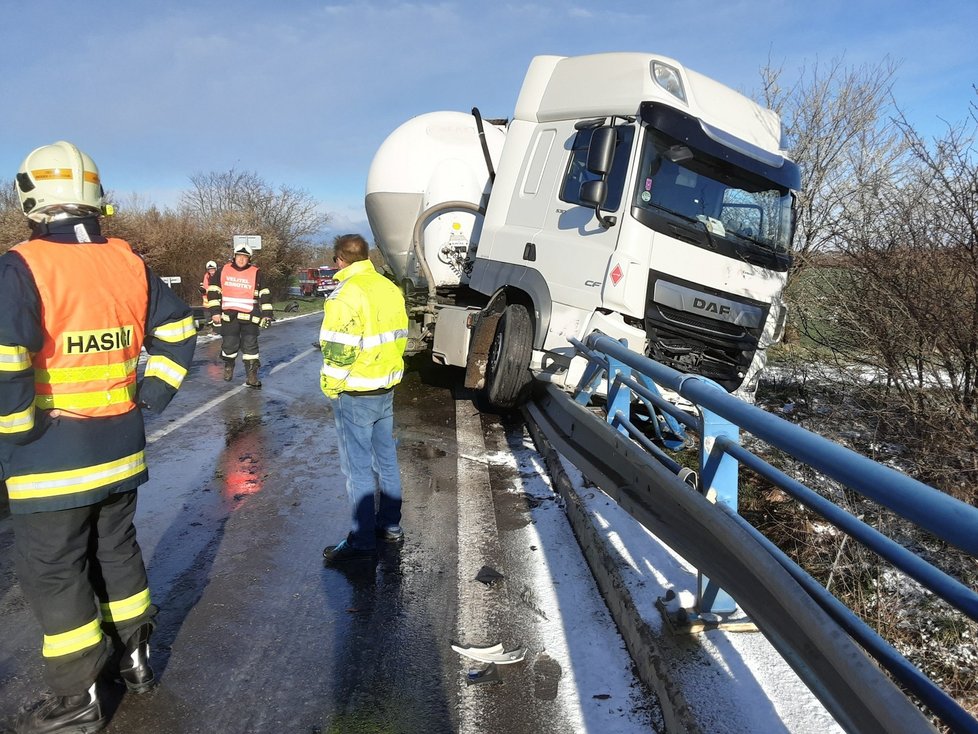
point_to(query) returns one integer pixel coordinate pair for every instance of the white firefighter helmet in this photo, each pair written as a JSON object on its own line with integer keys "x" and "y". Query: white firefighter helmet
{"x": 57, "y": 181}
{"x": 210, "y": 264}
{"x": 244, "y": 249}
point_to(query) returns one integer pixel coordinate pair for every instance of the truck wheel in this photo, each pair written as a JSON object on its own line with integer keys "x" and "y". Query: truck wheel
{"x": 508, "y": 367}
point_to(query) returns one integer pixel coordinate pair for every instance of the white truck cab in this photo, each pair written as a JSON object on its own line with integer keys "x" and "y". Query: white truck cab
{"x": 628, "y": 194}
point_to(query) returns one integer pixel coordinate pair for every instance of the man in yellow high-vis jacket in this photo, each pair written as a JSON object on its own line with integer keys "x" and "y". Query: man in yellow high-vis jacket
{"x": 76, "y": 308}
{"x": 363, "y": 337}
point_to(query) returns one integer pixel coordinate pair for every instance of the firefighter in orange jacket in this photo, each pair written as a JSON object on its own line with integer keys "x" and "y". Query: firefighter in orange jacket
{"x": 76, "y": 308}
{"x": 210, "y": 271}
{"x": 240, "y": 304}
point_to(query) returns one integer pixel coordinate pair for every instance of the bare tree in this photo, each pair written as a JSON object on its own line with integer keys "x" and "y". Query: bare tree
{"x": 170, "y": 242}
{"x": 911, "y": 254}
{"x": 838, "y": 128}
{"x": 13, "y": 223}
{"x": 240, "y": 202}
{"x": 887, "y": 294}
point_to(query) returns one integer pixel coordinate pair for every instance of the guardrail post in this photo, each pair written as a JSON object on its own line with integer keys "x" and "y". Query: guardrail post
{"x": 589, "y": 382}
{"x": 718, "y": 481}
{"x": 619, "y": 396}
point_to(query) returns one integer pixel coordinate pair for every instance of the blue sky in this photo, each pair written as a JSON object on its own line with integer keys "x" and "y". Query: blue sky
{"x": 303, "y": 92}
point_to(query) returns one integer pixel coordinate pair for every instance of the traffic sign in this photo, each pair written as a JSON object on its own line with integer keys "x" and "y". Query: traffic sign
{"x": 252, "y": 240}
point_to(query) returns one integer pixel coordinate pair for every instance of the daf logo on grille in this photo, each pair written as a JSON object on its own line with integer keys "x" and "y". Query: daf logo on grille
{"x": 711, "y": 306}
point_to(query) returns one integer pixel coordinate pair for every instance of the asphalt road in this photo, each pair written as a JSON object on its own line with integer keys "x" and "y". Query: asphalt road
{"x": 255, "y": 635}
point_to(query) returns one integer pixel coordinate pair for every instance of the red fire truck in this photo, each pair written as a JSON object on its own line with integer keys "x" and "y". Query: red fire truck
{"x": 315, "y": 281}
{"x": 307, "y": 279}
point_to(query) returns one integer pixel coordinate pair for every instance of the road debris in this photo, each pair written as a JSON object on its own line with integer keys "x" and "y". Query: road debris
{"x": 492, "y": 654}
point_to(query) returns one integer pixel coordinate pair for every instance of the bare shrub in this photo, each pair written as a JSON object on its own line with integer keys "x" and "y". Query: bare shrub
{"x": 240, "y": 202}
{"x": 13, "y": 223}
{"x": 884, "y": 311}
{"x": 171, "y": 243}
{"x": 899, "y": 312}
{"x": 836, "y": 121}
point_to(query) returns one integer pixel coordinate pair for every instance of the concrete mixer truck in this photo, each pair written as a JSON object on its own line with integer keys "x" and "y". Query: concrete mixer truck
{"x": 627, "y": 194}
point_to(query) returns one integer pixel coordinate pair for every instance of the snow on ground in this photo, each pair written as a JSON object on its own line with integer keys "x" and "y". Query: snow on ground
{"x": 733, "y": 681}
{"x": 565, "y": 624}
{"x": 607, "y": 680}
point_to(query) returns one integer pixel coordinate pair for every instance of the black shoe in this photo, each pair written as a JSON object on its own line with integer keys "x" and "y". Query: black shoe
{"x": 134, "y": 668}
{"x": 343, "y": 551}
{"x": 228, "y": 371}
{"x": 393, "y": 534}
{"x": 81, "y": 714}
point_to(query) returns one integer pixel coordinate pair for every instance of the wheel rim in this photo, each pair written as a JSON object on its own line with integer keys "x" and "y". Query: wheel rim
{"x": 494, "y": 352}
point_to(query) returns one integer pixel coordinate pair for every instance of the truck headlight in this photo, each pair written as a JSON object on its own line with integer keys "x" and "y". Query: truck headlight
{"x": 668, "y": 78}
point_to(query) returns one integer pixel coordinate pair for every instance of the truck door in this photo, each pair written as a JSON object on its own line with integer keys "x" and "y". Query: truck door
{"x": 572, "y": 250}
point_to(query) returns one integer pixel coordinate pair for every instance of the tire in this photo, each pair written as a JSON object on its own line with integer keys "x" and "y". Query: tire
{"x": 508, "y": 375}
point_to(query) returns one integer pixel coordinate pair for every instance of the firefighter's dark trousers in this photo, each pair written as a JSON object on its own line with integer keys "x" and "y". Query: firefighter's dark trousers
{"x": 238, "y": 334}
{"x": 83, "y": 575}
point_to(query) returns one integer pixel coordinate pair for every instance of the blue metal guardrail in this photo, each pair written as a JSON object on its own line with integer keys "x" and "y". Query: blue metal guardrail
{"x": 631, "y": 377}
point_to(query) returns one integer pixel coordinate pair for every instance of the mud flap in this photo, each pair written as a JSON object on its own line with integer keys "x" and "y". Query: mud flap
{"x": 483, "y": 333}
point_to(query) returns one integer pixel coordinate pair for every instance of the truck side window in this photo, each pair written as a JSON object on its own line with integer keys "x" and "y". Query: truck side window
{"x": 578, "y": 174}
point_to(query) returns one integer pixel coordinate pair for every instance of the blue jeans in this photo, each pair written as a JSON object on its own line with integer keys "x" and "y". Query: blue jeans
{"x": 368, "y": 459}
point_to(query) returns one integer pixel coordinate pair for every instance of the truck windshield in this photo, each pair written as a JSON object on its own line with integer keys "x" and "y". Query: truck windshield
{"x": 709, "y": 197}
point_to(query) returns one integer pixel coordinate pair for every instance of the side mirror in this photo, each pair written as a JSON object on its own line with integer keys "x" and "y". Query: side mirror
{"x": 594, "y": 194}
{"x": 601, "y": 151}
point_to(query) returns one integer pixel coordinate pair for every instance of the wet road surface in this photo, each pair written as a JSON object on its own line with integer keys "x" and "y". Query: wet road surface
{"x": 256, "y": 636}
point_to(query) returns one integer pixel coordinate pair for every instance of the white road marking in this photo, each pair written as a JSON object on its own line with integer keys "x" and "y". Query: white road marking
{"x": 476, "y": 532}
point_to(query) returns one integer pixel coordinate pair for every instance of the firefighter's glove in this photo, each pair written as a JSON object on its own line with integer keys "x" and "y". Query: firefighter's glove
{"x": 265, "y": 323}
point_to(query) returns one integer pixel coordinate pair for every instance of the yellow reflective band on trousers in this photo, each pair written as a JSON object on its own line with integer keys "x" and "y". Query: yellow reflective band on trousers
{"x": 120, "y": 611}
{"x": 165, "y": 369}
{"x": 176, "y": 332}
{"x": 82, "y": 400}
{"x": 76, "y": 640}
{"x": 59, "y": 483}
{"x": 19, "y": 422}
{"x": 14, "y": 359}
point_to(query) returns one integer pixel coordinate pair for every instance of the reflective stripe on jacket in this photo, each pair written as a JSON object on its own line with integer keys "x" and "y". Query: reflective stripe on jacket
{"x": 364, "y": 332}
{"x": 87, "y": 364}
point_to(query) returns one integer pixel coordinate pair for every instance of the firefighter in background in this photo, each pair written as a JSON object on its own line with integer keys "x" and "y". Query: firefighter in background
{"x": 210, "y": 271}
{"x": 76, "y": 308}
{"x": 240, "y": 304}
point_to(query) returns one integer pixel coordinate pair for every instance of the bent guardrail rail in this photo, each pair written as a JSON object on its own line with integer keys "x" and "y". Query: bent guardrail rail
{"x": 630, "y": 378}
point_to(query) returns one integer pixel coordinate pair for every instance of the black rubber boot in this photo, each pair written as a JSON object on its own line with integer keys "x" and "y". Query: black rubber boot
{"x": 228, "y": 371}
{"x": 251, "y": 374}
{"x": 134, "y": 668}
{"x": 81, "y": 714}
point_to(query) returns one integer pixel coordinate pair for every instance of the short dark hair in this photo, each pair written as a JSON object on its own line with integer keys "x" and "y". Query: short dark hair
{"x": 350, "y": 248}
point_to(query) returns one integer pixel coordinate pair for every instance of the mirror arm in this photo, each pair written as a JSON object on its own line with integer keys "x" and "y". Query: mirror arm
{"x": 605, "y": 222}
